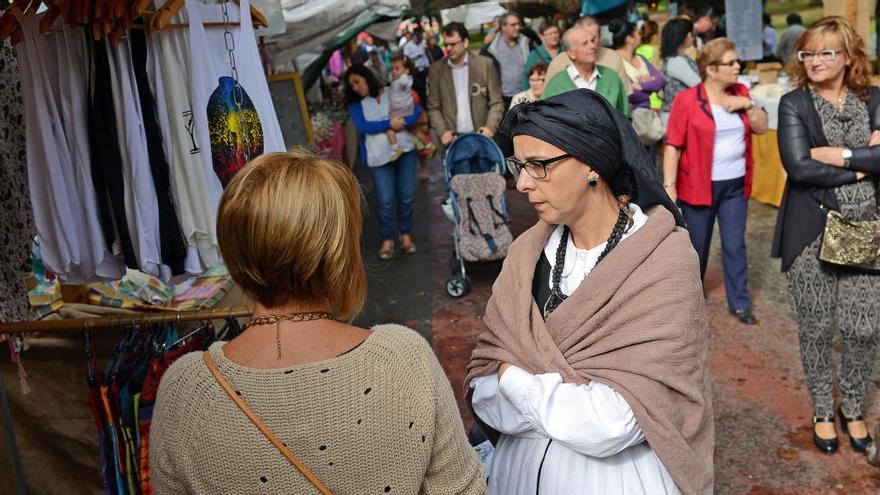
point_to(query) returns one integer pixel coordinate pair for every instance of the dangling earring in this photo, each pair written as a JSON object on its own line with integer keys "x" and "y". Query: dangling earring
{"x": 593, "y": 182}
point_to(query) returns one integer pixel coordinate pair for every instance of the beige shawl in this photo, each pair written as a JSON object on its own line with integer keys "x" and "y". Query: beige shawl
{"x": 636, "y": 323}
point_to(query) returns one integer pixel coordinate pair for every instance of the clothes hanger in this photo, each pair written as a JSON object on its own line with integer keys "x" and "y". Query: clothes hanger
{"x": 118, "y": 8}
{"x": 200, "y": 328}
{"x": 170, "y": 9}
{"x": 29, "y": 9}
{"x": 8, "y": 21}
{"x": 138, "y": 8}
{"x": 52, "y": 13}
{"x": 90, "y": 357}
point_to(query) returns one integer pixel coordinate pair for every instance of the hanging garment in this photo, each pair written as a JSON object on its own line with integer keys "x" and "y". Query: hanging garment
{"x": 16, "y": 221}
{"x": 173, "y": 249}
{"x": 196, "y": 207}
{"x": 141, "y": 193}
{"x": 125, "y": 154}
{"x": 238, "y": 121}
{"x": 51, "y": 208}
{"x": 107, "y": 173}
{"x": 70, "y": 89}
{"x": 55, "y": 197}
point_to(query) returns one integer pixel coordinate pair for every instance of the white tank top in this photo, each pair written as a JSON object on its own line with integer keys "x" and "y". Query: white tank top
{"x": 231, "y": 134}
{"x": 70, "y": 247}
{"x": 138, "y": 174}
{"x": 167, "y": 61}
{"x": 71, "y": 91}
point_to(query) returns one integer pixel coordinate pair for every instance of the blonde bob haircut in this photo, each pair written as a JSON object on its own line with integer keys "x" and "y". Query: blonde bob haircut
{"x": 713, "y": 53}
{"x": 857, "y": 77}
{"x": 289, "y": 229}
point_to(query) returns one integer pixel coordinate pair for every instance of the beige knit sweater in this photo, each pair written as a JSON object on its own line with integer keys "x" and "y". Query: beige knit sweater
{"x": 379, "y": 419}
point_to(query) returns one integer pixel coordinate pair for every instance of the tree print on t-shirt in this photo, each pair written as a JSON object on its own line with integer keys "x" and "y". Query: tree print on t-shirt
{"x": 236, "y": 132}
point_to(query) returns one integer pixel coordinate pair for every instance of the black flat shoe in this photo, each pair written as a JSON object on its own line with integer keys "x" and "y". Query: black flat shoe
{"x": 745, "y": 316}
{"x": 859, "y": 444}
{"x": 825, "y": 446}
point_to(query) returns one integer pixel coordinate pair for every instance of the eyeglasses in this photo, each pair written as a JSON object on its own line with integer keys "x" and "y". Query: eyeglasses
{"x": 537, "y": 169}
{"x": 452, "y": 44}
{"x": 727, "y": 64}
{"x": 824, "y": 55}
{"x": 536, "y": 79}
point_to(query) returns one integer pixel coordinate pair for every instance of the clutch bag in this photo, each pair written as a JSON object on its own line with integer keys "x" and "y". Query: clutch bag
{"x": 852, "y": 243}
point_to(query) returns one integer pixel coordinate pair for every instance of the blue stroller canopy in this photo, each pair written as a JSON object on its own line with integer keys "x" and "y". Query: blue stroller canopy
{"x": 473, "y": 153}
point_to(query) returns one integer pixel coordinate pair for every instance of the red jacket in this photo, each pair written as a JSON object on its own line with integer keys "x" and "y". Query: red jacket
{"x": 691, "y": 129}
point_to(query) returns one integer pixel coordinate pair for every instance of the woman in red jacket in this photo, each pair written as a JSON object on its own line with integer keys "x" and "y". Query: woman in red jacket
{"x": 707, "y": 166}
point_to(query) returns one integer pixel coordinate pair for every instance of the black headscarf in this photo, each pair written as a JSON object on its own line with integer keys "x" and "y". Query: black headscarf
{"x": 583, "y": 124}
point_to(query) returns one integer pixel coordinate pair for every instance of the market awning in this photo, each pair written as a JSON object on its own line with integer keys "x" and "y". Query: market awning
{"x": 315, "y": 28}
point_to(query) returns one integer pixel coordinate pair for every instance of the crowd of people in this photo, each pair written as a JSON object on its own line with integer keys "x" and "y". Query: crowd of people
{"x": 591, "y": 374}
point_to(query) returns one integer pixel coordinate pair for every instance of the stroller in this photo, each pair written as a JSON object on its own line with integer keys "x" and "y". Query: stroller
{"x": 474, "y": 168}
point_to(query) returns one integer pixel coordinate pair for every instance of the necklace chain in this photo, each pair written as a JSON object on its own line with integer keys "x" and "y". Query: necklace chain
{"x": 237, "y": 90}
{"x": 292, "y": 317}
{"x": 841, "y": 100}
{"x": 624, "y": 222}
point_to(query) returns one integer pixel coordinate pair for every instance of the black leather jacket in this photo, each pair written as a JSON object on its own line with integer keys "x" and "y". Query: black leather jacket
{"x": 811, "y": 183}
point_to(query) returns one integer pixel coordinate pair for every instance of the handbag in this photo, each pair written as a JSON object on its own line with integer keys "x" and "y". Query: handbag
{"x": 648, "y": 125}
{"x": 209, "y": 361}
{"x": 851, "y": 243}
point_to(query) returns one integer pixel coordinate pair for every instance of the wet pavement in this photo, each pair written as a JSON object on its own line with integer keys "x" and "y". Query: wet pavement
{"x": 762, "y": 409}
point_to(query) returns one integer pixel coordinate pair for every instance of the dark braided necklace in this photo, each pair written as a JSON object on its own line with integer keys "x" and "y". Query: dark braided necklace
{"x": 556, "y": 296}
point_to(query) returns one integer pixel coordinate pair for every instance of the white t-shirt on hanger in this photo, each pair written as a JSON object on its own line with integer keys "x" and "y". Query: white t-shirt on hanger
{"x": 62, "y": 194}
{"x": 230, "y": 134}
{"x": 71, "y": 91}
{"x": 167, "y": 67}
{"x": 47, "y": 167}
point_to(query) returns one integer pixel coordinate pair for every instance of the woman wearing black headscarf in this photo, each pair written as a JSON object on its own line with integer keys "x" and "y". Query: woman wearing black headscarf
{"x": 591, "y": 373}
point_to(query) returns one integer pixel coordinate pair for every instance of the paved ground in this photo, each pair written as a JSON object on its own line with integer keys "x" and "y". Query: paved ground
{"x": 400, "y": 290}
{"x": 762, "y": 410}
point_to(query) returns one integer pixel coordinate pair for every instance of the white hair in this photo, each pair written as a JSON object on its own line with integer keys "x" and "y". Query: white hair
{"x": 566, "y": 38}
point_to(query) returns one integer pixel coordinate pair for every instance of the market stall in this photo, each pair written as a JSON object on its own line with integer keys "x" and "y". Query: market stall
{"x": 769, "y": 181}
{"x": 120, "y": 129}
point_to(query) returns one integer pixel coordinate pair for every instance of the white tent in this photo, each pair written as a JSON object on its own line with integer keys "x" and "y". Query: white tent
{"x": 312, "y": 24}
{"x": 473, "y": 14}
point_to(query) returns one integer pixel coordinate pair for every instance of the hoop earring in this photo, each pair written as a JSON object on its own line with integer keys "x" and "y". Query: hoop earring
{"x": 593, "y": 182}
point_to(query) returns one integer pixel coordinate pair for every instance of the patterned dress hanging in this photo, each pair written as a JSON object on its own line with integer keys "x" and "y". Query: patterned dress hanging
{"x": 16, "y": 220}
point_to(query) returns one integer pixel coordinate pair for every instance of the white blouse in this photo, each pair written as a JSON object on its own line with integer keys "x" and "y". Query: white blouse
{"x": 561, "y": 438}
{"x": 729, "y": 152}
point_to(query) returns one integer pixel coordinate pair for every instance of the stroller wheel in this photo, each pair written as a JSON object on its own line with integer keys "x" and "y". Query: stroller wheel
{"x": 457, "y": 286}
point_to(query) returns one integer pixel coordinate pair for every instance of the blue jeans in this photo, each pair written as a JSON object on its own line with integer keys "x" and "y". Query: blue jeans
{"x": 730, "y": 205}
{"x": 395, "y": 181}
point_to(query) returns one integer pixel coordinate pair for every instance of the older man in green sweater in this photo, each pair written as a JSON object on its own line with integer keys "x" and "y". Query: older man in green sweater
{"x": 582, "y": 45}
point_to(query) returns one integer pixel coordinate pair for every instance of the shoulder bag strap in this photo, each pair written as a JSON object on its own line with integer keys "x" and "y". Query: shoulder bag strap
{"x": 209, "y": 361}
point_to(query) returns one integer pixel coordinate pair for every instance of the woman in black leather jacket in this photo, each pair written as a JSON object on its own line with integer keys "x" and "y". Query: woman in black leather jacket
{"x": 828, "y": 141}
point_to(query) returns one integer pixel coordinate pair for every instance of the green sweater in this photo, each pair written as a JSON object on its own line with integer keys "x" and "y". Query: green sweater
{"x": 608, "y": 85}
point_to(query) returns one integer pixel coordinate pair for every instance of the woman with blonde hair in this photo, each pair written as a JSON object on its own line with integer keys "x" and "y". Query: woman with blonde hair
{"x": 828, "y": 142}
{"x": 364, "y": 411}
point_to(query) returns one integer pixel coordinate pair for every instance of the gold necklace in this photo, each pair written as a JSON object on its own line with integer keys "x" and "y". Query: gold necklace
{"x": 292, "y": 317}
{"x": 841, "y": 99}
